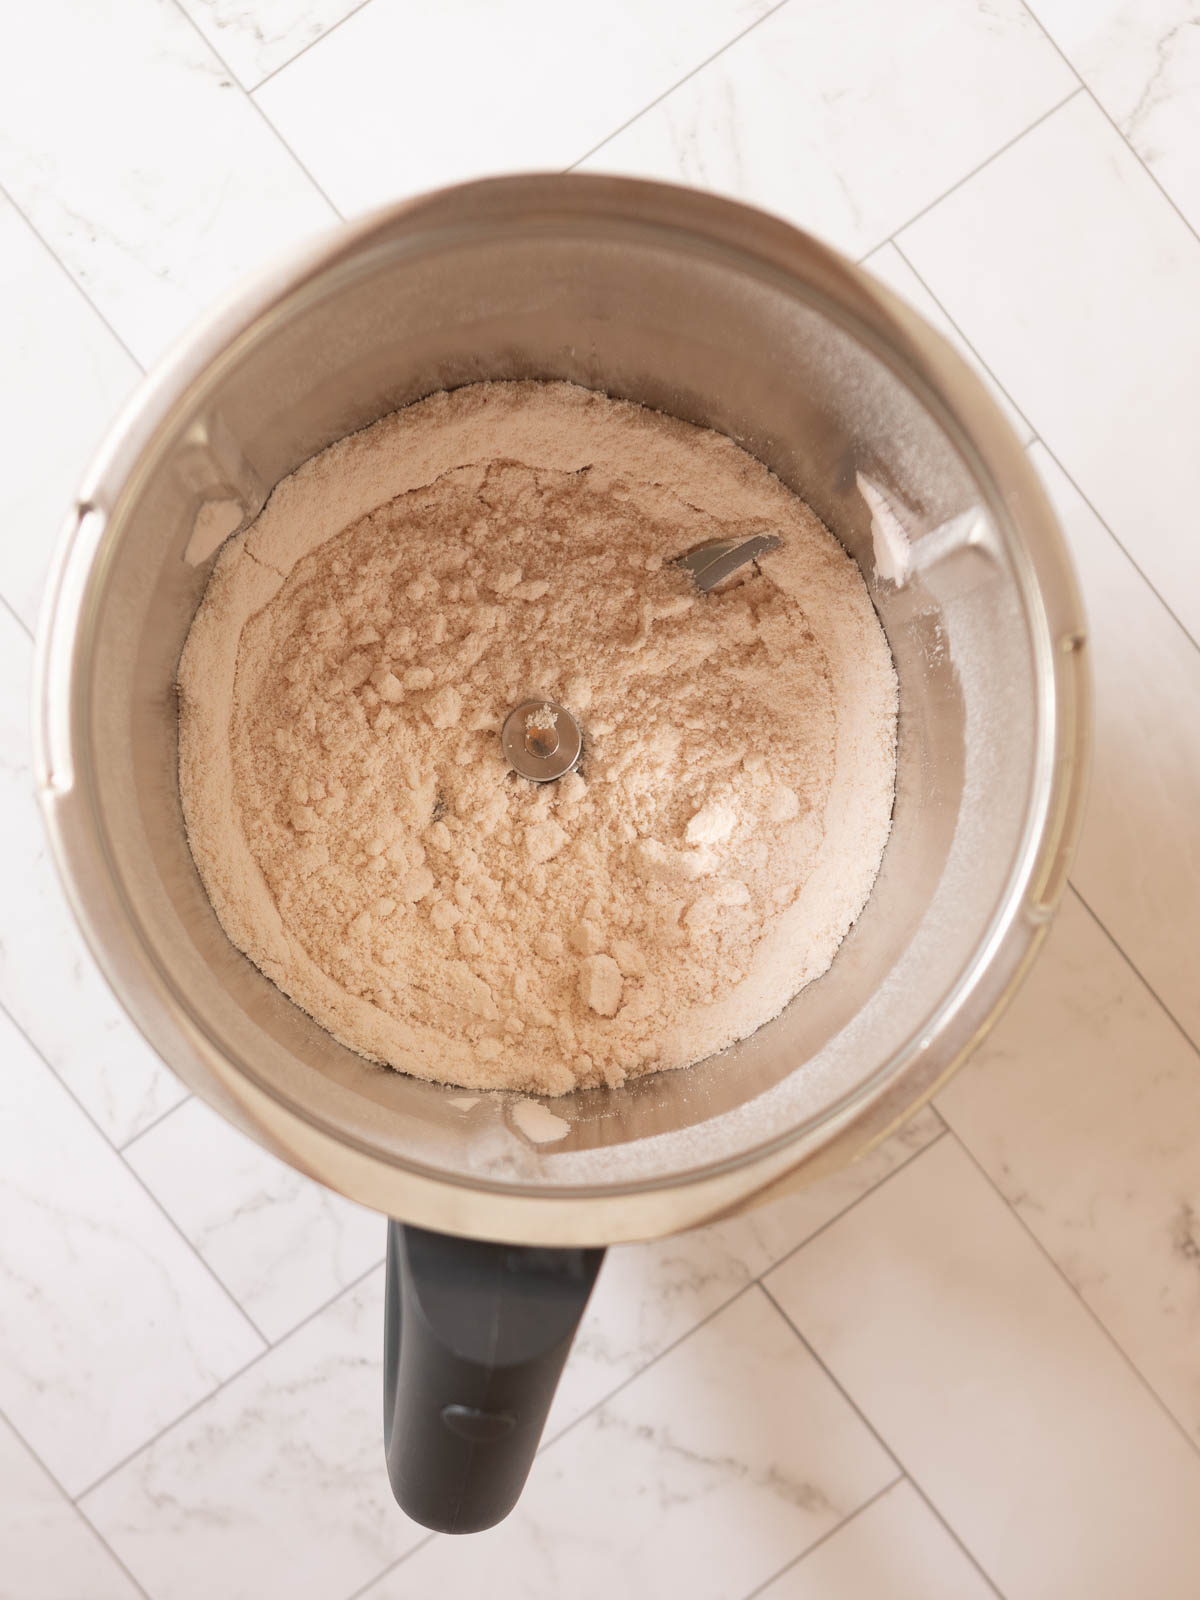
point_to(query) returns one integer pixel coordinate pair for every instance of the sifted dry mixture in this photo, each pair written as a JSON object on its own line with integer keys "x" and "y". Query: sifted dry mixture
{"x": 351, "y": 813}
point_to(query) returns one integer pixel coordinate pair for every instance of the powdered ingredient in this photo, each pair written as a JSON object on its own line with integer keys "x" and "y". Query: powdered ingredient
{"x": 348, "y": 806}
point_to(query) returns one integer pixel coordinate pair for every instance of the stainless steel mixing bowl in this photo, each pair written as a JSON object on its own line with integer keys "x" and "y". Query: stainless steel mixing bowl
{"x": 717, "y": 314}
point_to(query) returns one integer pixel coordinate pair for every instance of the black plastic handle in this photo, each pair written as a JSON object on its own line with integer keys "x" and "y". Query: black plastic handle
{"x": 475, "y": 1338}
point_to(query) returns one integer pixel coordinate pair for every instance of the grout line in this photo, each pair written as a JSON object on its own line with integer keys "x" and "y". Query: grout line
{"x": 392, "y": 1565}
{"x": 934, "y": 1512}
{"x": 679, "y": 82}
{"x": 980, "y": 362}
{"x": 1090, "y": 1310}
{"x": 839, "y": 1386}
{"x": 16, "y": 616}
{"x": 148, "y": 1444}
{"x": 155, "y": 1123}
{"x": 1134, "y": 968}
{"x": 611, "y": 1394}
{"x": 1122, "y": 547}
{"x": 61, "y": 1487}
{"x": 825, "y": 1537}
{"x": 858, "y": 1200}
{"x": 71, "y": 278}
{"x": 866, "y": 1422}
{"x": 224, "y": 1287}
{"x": 1111, "y": 120}
{"x": 153, "y": 1198}
{"x": 975, "y": 171}
{"x": 1038, "y": 439}
{"x": 304, "y": 49}
{"x": 236, "y": 82}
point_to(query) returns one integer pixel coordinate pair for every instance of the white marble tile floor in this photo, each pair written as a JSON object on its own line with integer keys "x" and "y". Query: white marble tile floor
{"x": 1082, "y": 1109}
{"x": 844, "y": 128}
{"x": 275, "y": 1483}
{"x": 895, "y": 1546}
{"x": 1141, "y": 59}
{"x": 1076, "y": 280}
{"x": 967, "y": 1368}
{"x": 255, "y": 41}
{"x": 281, "y": 1244}
{"x": 147, "y": 170}
{"x": 111, "y": 1324}
{"x": 48, "y": 326}
{"x": 49, "y": 1551}
{"x": 996, "y": 1390}
{"x": 1146, "y": 771}
{"x": 370, "y": 119}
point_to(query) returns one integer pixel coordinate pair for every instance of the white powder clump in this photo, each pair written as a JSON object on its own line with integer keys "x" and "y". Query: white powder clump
{"x": 348, "y": 805}
{"x": 538, "y": 1124}
{"x": 600, "y": 983}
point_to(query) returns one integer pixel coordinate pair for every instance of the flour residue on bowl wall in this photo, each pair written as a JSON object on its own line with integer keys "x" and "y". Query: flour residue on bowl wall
{"x": 537, "y": 1122}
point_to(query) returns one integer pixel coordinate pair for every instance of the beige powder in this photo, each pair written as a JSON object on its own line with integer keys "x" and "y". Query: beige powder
{"x": 348, "y": 805}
